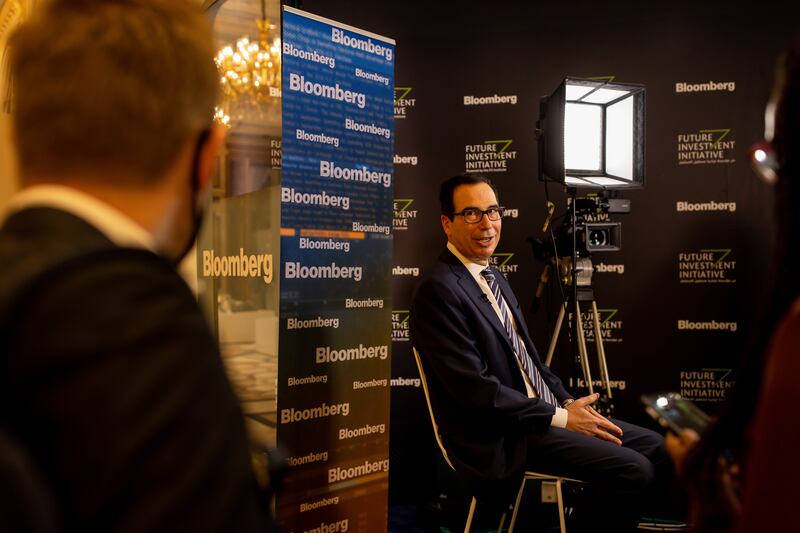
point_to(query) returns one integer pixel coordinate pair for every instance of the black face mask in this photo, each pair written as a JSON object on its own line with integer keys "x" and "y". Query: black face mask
{"x": 198, "y": 210}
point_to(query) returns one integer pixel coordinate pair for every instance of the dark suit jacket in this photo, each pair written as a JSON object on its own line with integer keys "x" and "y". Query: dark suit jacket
{"x": 477, "y": 391}
{"x": 112, "y": 381}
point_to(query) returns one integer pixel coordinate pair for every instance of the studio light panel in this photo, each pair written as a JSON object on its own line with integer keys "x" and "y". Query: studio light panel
{"x": 592, "y": 134}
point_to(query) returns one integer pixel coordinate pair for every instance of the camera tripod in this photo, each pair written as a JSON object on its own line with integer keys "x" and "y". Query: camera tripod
{"x": 585, "y": 294}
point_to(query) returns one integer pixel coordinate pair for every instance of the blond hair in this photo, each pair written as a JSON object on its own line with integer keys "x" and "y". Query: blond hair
{"x": 110, "y": 86}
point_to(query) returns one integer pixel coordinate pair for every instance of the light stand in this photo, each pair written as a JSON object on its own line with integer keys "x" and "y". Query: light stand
{"x": 591, "y": 135}
{"x": 576, "y": 273}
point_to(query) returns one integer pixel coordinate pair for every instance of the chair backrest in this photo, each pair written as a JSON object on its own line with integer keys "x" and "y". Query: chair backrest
{"x": 430, "y": 409}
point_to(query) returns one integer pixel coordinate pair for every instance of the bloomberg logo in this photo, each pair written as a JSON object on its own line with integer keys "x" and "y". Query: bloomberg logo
{"x": 705, "y": 206}
{"x": 709, "y": 86}
{"x": 609, "y": 269}
{"x": 489, "y": 100}
{"x": 711, "y": 325}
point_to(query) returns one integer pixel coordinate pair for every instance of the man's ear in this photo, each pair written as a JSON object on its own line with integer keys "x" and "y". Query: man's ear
{"x": 207, "y": 158}
{"x": 446, "y": 224}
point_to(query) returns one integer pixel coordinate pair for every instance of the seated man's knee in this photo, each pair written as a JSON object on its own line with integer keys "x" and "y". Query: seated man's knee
{"x": 636, "y": 473}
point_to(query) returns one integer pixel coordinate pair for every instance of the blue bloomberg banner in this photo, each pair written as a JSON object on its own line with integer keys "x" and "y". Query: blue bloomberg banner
{"x": 336, "y": 254}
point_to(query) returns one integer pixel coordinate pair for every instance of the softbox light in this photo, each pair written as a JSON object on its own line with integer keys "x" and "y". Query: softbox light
{"x": 591, "y": 135}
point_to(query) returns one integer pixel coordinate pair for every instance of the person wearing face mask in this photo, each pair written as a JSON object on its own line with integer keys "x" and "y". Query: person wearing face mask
{"x": 111, "y": 380}
{"x": 499, "y": 410}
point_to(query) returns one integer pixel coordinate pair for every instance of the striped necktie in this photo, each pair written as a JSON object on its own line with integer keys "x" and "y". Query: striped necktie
{"x": 516, "y": 342}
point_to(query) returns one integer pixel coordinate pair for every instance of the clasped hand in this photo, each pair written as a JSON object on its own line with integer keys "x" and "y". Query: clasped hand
{"x": 582, "y": 418}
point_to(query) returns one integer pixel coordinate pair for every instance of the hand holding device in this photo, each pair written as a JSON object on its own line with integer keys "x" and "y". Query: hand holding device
{"x": 675, "y": 412}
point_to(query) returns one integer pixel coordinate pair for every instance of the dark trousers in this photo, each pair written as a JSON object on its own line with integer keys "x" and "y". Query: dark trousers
{"x": 620, "y": 479}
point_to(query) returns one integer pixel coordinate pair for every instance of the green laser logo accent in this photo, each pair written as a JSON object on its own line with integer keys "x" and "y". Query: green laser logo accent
{"x": 501, "y": 261}
{"x": 489, "y": 156}
{"x": 505, "y": 142}
{"x": 707, "y": 265}
{"x": 400, "y": 331}
{"x": 722, "y": 134}
{"x": 610, "y": 330}
{"x": 708, "y": 146}
{"x": 403, "y": 93}
{"x": 706, "y": 384}
{"x": 402, "y": 102}
{"x": 402, "y": 214}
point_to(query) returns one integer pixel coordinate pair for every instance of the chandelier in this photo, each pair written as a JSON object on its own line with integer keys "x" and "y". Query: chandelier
{"x": 250, "y": 71}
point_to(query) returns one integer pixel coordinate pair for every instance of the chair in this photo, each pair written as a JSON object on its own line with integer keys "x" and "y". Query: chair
{"x": 545, "y": 479}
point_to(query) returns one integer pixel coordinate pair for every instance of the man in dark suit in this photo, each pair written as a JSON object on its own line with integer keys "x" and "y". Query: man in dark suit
{"x": 500, "y": 410}
{"x": 112, "y": 383}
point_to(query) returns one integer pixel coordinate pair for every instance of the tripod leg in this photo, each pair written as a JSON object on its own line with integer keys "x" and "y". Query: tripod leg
{"x": 554, "y": 339}
{"x": 601, "y": 352}
{"x": 587, "y": 373}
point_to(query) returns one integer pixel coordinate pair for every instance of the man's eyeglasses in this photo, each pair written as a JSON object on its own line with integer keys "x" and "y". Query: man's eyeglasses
{"x": 765, "y": 161}
{"x": 473, "y": 215}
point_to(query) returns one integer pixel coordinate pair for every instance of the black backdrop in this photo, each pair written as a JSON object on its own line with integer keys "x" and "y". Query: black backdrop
{"x": 448, "y": 50}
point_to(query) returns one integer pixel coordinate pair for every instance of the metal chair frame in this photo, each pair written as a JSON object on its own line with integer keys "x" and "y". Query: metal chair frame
{"x": 558, "y": 481}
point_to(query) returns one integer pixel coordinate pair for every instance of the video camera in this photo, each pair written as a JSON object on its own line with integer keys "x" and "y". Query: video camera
{"x": 595, "y": 231}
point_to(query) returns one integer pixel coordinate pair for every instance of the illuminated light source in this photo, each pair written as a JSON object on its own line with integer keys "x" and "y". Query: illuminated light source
{"x": 250, "y": 71}
{"x": 765, "y": 161}
{"x": 591, "y": 134}
{"x": 221, "y": 117}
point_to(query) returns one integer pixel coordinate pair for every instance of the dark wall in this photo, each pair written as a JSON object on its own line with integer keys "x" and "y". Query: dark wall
{"x": 447, "y": 50}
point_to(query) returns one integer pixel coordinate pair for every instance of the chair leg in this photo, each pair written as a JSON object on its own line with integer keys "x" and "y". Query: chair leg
{"x": 516, "y": 506}
{"x": 470, "y": 515}
{"x": 560, "y": 500}
{"x": 502, "y": 522}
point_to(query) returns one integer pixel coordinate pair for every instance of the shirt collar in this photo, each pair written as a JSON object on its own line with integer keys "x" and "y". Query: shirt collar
{"x": 474, "y": 268}
{"x": 118, "y": 227}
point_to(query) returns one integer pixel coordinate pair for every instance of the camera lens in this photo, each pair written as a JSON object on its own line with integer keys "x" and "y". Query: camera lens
{"x": 598, "y": 237}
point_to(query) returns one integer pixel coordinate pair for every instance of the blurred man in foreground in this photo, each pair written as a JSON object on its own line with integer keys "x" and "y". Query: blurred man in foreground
{"x": 112, "y": 381}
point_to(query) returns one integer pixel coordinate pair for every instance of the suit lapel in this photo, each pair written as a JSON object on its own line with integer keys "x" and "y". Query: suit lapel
{"x": 476, "y": 295}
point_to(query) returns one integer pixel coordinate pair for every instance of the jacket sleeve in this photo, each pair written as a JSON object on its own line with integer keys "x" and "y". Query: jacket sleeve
{"x": 443, "y": 333}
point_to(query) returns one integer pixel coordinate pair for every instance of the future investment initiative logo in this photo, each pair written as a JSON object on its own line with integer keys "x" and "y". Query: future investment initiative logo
{"x": 707, "y": 265}
{"x": 403, "y": 102}
{"x": 502, "y": 262}
{"x": 403, "y": 214}
{"x": 706, "y": 384}
{"x": 708, "y": 146}
{"x": 610, "y": 325}
{"x": 489, "y": 156}
{"x": 400, "y": 331}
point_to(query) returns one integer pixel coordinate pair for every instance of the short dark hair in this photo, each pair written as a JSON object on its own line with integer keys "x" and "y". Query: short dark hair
{"x": 448, "y": 187}
{"x": 112, "y": 86}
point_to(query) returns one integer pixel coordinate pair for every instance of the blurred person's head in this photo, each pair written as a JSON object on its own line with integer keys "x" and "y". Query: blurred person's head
{"x": 783, "y": 132}
{"x": 785, "y": 104}
{"x": 118, "y": 95}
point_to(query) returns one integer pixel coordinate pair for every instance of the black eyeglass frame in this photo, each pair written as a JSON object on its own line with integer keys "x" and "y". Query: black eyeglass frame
{"x": 498, "y": 208}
